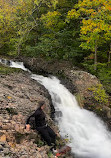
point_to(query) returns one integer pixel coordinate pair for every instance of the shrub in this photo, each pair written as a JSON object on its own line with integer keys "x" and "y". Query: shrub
{"x": 11, "y": 111}
{"x": 99, "y": 94}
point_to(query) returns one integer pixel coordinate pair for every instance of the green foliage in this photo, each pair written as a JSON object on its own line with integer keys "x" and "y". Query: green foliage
{"x": 104, "y": 74}
{"x": 50, "y": 155}
{"x": 51, "y": 28}
{"x": 39, "y": 28}
{"x": 52, "y": 20}
{"x": 19, "y": 137}
{"x": 39, "y": 142}
{"x": 11, "y": 111}
{"x": 99, "y": 94}
{"x": 89, "y": 66}
{"x": 8, "y": 70}
{"x": 96, "y": 23}
{"x": 80, "y": 99}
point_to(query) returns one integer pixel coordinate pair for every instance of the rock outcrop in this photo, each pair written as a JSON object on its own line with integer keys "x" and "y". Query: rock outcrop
{"x": 19, "y": 97}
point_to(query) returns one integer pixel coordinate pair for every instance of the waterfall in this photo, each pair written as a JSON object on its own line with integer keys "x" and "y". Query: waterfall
{"x": 87, "y": 134}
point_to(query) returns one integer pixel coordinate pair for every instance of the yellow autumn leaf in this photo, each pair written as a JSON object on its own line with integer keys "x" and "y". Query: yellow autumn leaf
{"x": 9, "y": 97}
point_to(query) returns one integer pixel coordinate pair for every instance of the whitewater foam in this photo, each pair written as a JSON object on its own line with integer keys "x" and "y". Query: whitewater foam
{"x": 87, "y": 134}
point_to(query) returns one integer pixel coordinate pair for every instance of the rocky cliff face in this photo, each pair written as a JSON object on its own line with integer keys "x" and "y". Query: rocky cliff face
{"x": 19, "y": 97}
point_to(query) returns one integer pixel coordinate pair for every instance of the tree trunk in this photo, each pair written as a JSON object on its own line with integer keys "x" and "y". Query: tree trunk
{"x": 109, "y": 56}
{"x": 95, "y": 57}
{"x": 18, "y": 49}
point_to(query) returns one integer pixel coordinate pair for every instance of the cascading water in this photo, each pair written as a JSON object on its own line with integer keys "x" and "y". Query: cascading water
{"x": 18, "y": 65}
{"x": 12, "y": 64}
{"x": 88, "y": 135}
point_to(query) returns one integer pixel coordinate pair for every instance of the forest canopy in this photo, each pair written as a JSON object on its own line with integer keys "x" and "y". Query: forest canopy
{"x": 55, "y": 28}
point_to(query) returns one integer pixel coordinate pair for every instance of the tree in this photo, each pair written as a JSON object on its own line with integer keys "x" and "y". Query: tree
{"x": 58, "y": 34}
{"x": 7, "y": 17}
{"x": 18, "y": 19}
{"x": 95, "y": 18}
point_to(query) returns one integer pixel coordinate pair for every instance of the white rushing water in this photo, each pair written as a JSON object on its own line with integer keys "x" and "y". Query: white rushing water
{"x": 88, "y": 135}
{"x": 19, "y": 65}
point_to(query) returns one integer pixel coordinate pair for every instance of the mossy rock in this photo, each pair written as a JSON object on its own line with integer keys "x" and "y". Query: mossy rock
{"x": 19, "y": 137}
{"x": 11, "y": 111}
{"x": 4, "y": 70}
{"x": 39, "y": 141}
{"x": 80, "y": 99}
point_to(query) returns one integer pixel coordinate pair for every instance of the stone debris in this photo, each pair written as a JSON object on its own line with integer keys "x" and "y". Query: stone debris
{"x": 19, "y": 97}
